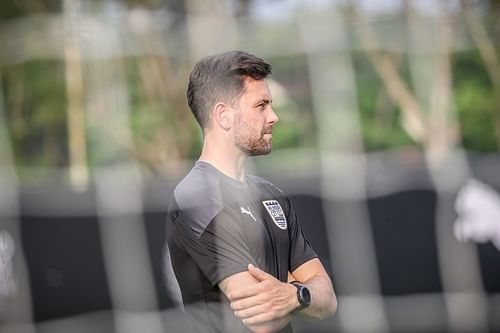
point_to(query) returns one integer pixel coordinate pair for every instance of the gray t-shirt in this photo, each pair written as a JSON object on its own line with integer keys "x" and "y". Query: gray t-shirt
{"x": 216, "y": 226}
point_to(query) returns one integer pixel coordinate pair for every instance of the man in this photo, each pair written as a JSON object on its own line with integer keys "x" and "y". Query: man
{"x": 241, "y": 260}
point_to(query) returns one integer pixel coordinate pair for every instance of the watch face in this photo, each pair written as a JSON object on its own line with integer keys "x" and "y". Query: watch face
{"x": 303, "y": 295}
{"x": 306, "y": 297}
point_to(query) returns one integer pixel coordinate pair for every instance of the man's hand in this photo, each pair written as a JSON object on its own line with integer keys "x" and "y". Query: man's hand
{"x": 265, "y": 301}
{"x": 265, "y": 304}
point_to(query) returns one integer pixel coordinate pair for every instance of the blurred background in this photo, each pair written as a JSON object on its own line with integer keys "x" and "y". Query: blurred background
{"x": 388, "y": 145}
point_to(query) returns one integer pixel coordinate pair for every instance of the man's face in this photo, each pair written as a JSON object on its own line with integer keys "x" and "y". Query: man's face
{"x": 254, "y": 119}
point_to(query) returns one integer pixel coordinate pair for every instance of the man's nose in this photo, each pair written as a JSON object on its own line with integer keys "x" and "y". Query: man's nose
{"x": 273, "y": 117}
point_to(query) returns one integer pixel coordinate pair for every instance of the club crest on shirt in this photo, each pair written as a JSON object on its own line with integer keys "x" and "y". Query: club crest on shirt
{"x": 274, "y": 209}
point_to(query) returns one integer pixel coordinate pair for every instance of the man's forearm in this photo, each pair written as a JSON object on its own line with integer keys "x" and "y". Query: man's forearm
{"x": 323, "y": 305}
{"x": 265, "y": 304}
{"x": 323, "y": 299}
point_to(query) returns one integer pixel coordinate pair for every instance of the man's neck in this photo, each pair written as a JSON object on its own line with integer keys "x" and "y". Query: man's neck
{"x": 230, "y": 162}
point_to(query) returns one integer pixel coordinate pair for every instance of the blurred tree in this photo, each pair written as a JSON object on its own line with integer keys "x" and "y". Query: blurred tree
{"x": 156, "y": 43}
{"x": 428, "y": 119}
{"x": 488, "y": 52}
{"x": 475, "y": 101}
{"x": 35, "y": 111}
{"x": 77, "y": 124}
{"x": 380, "y": 115}
{"x": 13, "y": 9}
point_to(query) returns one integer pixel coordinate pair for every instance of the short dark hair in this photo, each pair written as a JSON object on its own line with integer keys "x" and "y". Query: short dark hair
{"x": 221, "y": 77}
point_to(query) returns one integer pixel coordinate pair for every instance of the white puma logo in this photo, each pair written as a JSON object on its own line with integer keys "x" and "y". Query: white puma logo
{"x": 248, "y": 212}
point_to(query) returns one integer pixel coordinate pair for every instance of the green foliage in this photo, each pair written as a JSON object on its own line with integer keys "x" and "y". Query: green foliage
{"x": 197, "y": 142}
{"x": 162, "y": 128}
{"x": 286, "y": 134}
{"x": 475, "y": 102}
{"x": 380, "y": 117}
{"x": 35, "y": 109}
{"x": 12, "y": 9}
{"x": 296, "y": 127}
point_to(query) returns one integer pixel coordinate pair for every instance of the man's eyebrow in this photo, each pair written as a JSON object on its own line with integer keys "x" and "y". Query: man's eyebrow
{"x": 264, "y": 100}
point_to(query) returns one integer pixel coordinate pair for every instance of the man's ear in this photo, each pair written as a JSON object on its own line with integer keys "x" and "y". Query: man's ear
{"x": 223, "y": 115}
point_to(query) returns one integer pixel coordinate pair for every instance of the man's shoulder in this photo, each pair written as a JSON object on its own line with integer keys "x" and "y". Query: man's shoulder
{"x": 196, "y": 188}
{"x": 197, "y": 199}
{"x": 265, "y": 184}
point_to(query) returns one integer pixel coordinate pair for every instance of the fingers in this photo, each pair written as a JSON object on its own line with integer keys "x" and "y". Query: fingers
{"x": 258, "y": 314}
{"x": 267, "y": 281}
{"x": 247, "y": 303}
{"x": 259, "y": 319}
{"x": 273, "y": 302}
{"x": 259, "y": 274}
{"x": 260, "y": 303}
{"x": 251, "y": 312}
{"x": 244, "y": 293}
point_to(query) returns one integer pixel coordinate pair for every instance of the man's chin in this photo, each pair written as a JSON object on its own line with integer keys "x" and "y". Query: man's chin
{"x": 260, "y": 152}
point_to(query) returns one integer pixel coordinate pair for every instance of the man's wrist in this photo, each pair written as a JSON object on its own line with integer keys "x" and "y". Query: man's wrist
{"x": 303, "y": 296}
{"x": 295, "y": 303}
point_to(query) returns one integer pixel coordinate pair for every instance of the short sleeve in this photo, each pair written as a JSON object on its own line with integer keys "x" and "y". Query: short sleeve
{"x": 301, "y": 250}
{"x": 220, "y": 251}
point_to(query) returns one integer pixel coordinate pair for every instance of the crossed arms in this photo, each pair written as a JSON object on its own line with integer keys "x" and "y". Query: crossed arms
{"x": 265, "y": 304}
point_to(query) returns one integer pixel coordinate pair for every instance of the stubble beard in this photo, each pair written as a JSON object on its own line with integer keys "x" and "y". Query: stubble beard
{"x": 253, "y": 144}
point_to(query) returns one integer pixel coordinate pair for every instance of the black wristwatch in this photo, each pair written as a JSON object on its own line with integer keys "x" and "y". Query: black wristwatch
{"x": 303, "y": 295}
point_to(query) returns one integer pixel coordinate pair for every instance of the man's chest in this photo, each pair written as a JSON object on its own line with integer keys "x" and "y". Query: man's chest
{"x": 262, "y": 220}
